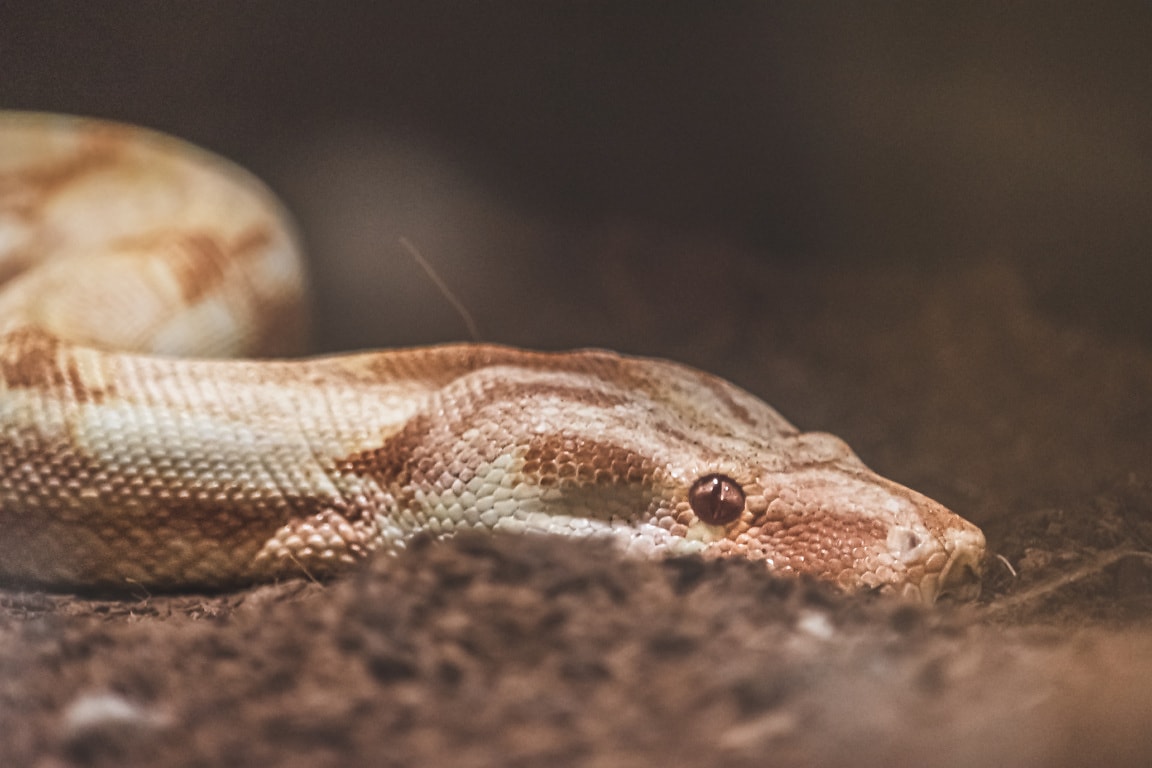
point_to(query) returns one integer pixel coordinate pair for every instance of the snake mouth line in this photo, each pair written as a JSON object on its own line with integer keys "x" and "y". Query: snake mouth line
{"x": 960, "y": 579}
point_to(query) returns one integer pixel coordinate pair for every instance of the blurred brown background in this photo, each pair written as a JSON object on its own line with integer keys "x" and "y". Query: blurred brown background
{"x": 509, "y": 139}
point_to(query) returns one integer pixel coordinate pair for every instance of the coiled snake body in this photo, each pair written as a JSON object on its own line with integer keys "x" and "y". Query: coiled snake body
{"x": 129, "y": 453}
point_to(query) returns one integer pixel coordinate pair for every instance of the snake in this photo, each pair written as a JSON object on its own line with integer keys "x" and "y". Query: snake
{"x": 159, "y": 427}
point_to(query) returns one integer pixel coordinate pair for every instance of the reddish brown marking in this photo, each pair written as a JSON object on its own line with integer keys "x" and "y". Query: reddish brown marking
{"x": 199, "y": 263}
{"x": 33, "y": 359}
{"x": 252, "y": 240}
{"x": 818, "y": 546}
{"x": 572, "y": 459}
{"x": 396, "y": 460}
{"x": 25, "y": 191}
{"x": 16, "y": 261}
{"x": 720, "y": 390}
{"x": 672, "y": 435}
{"x": 198, "y": 260}
{"x": 405, "y": 459}
{"x": 147, "y": 517}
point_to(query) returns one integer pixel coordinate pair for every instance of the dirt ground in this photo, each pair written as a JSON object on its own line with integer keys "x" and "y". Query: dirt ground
{"x": 982, "y": 335}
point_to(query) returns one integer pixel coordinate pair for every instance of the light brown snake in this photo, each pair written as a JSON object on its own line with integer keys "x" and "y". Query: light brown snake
{"x": 130, "y": 453}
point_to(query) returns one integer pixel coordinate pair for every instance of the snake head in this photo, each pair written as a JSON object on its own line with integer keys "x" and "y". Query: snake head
{"x": 666, "y": 460}
{"x": 730, "y": 477}
{"x": 827, "y": 515}
{"x": 741, "y": 481}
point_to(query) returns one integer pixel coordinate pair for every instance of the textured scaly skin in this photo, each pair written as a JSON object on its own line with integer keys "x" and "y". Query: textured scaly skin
{"x": 127, "y": 458}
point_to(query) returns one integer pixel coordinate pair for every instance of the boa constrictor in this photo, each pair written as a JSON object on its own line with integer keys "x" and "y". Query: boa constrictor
{"x": 131, "y": 453}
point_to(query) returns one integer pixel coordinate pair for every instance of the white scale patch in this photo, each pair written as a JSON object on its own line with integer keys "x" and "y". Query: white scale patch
{"x": 196, "y": 446}
{"x": 498, "y": 499}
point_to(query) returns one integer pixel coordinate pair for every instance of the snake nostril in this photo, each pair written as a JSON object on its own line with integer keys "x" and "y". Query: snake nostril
{"x": 905, "y": 543}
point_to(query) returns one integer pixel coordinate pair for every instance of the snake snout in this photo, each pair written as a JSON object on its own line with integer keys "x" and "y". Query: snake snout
{"x": 961, "y": 583}
{"x": 938, "y": 563}
{"x": 953, "y": 568}
{"x": 960, "y": 579}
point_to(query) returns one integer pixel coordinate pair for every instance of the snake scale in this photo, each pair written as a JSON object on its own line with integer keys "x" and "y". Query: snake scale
{"x": 155, "y": 431}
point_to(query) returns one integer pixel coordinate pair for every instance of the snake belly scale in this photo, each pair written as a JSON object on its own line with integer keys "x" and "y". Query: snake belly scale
{"x": 132, "y": 451}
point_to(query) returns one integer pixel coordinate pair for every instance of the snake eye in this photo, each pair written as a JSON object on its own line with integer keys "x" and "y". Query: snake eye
{"x": 716, "y": 499}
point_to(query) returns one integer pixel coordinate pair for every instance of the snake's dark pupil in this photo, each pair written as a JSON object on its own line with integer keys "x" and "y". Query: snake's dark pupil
{"x": 716, "y": 499}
